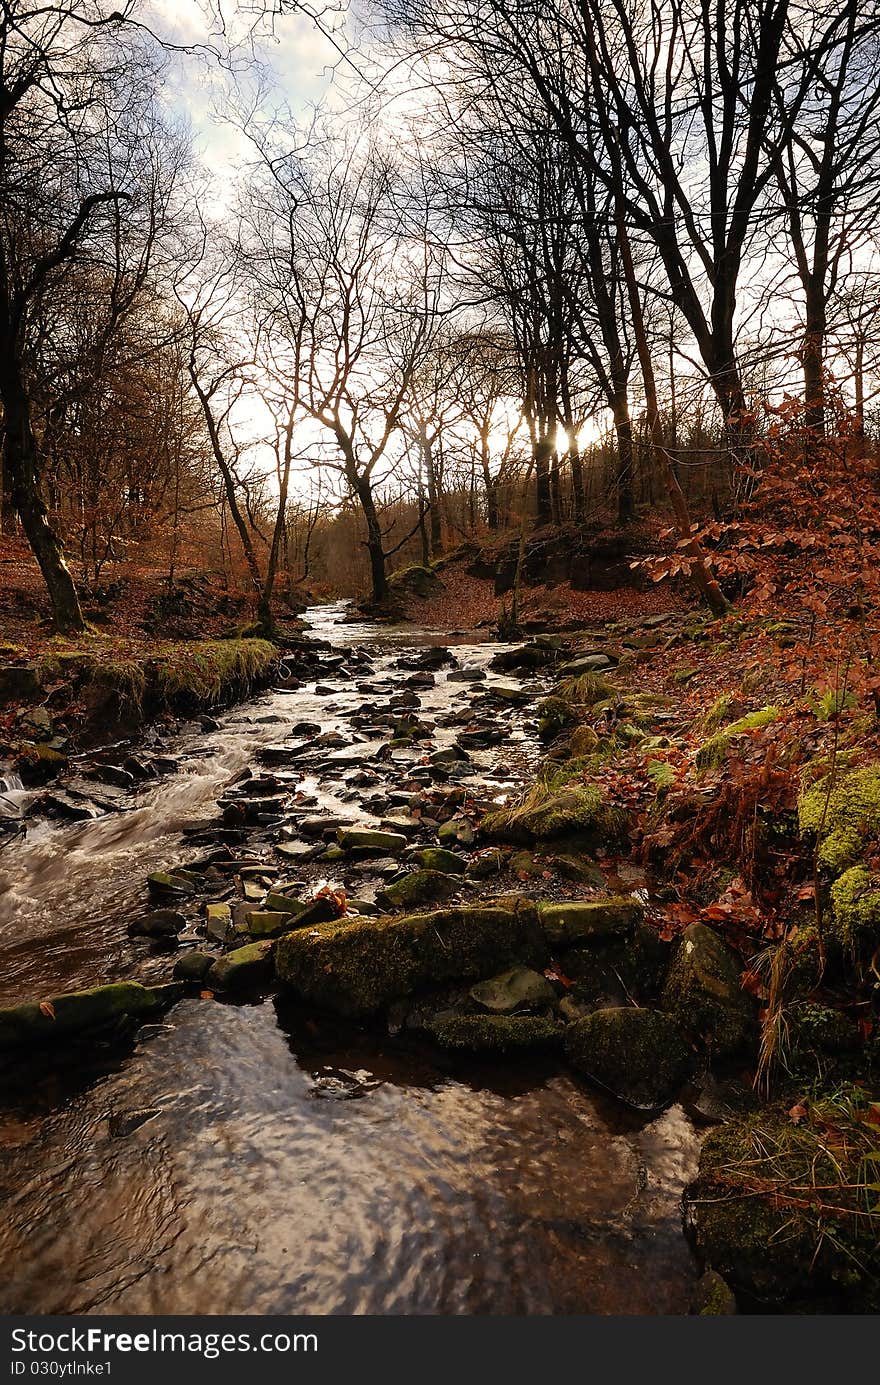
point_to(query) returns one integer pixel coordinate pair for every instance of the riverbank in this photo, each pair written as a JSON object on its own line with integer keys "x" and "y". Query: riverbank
{"x": 600, "y": 852}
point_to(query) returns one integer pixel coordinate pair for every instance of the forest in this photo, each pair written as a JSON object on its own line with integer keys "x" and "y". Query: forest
{"x": 439, "y": 562}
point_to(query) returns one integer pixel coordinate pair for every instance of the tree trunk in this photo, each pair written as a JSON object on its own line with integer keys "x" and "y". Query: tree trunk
{"x": 813, "y": 359}
{"x": 375, "y": 548}
{"x": 22, "y": 476}
{"x": 542, "y": 452}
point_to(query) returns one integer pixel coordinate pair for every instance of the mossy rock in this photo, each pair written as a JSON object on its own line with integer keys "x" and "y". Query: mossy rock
{"x": 703, "y": 992}
{"x": 43, "y": 1021}
{"x": 456, "y": 832}
{"x": 812, "y": 1026}
{"x": 548, "y": 813}
{"x": 244, "y": 967}
{"x": 355, "y": 966}
{"x": 844, "y": 815}
{"x": 284, "y": 904}
{"x": 266, "y": 923}
{"x": 219, "y": 926}
{"x": 495, "y": 1033}
{"x": 422, "y": 887}
{"x": 367, "y": 840}
{"x": 571, "y": 922}
{"x": 521, "y": 988}
{"x": 487, "y": 863}
{"x": 713, "y": 752}
{"x": 193, "y": 967}
{"x": 637, "y": 1055}
{"x": 555, "y": 715}
{"x": 778, "y": 1212}
{"x": 637, "y": 961}
{"x": 414, "y": 581}
{"x": 436, "y": 858}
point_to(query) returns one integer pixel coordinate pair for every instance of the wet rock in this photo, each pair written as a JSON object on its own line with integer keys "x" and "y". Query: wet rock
{"x": 402, "y": 823}
{"x": 703, "y": 992}
{"x": 80, "y": 1011}
{"x": 112, "y": 774}
{"x": 422, "y": 887}
{"x": 587, "y": 663}
{"x": 466, "y": 675}
{"x": 177, "y": 882}
{"x": 436, "y": 858}
{"x": 456, "y": 832}
{"x": 193, "y": 967}
{"x": 365, "y": 839}
{"x": 495, "y": 1033}
{"x": 712, "y": 1297}
{"x": 528, "y": 656}
{"x": 518, "y": 989}
{"x": 450, "y": 755}
{"x": 161, "y": 923}
{"x": 328, "y": 824}
{"x": 266, "y": 923}
{"x": 637, "y": 1055}
{"x": 219, "y": 925}
{"x": 568, "y": 923}
{"x": 59, "y": 804}
{"x": 633, "y": 964}
{"x": 284, "y": 904}
{"x": 487, "y": 863}
{"x": 244, "y": 967}
{"x": 355, "y": 966}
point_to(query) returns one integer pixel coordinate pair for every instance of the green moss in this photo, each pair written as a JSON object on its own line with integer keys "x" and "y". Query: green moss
{"x": 422, "y": 887}
{"x": 717, "y": 713}
{"x": 782, "y": 1209}
{"x": 355, "y": 966}
{"x": 638, "y": 1055}
{"x": 495, "y": 1033}
{"x": 713, "y": 752}
{"x": 703, "y": 992}
{"x": 548, "y": 811}
{"x": 843, "y": 815}
{"x": 855, "y": 901}
{"x": 206, "y": 671}
{"x": 78, "y": 1011}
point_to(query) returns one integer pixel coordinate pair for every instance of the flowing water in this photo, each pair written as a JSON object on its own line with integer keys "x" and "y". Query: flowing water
{"x": 256, "y": 1158}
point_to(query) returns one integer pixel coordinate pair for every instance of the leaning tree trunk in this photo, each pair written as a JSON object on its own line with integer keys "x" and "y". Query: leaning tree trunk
{"x": 21, "y": 474}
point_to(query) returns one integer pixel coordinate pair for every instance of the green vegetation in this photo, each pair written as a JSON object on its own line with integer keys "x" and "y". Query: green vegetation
{"x": 713, "y": 752}
{"x": 843, "y": 814}
{"x": 554, "y": 808}
{"x": 787, "y": 1205}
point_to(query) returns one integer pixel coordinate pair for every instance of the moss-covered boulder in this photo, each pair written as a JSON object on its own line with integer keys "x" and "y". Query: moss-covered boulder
{"x": 284, "y": 904}
{"x": 637, "y": 1055}
{"x": 843, "y": 814}
{"x": 366, "y": 840}
{"x": 244, "y": 967}
{"x": 571, "y": 922}
{"x": 44, "y": 1021}
{"x": 703, "y": 993}
{"x": 778, "y": 1209}
{"x": 355, "y": 966}
{"x": 436, "y": 858}
{"x": 495, "y": 1033}
{"x": 521, "y": 988}
{"x": 547, "y": 812}
{"x": 422, "y": 887}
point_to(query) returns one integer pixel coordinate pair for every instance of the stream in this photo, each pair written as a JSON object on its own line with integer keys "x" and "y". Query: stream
{"x": 253, "y": 1157}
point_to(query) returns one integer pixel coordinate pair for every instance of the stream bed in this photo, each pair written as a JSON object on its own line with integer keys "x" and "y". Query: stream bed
{"x": 257, "y": 1158}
